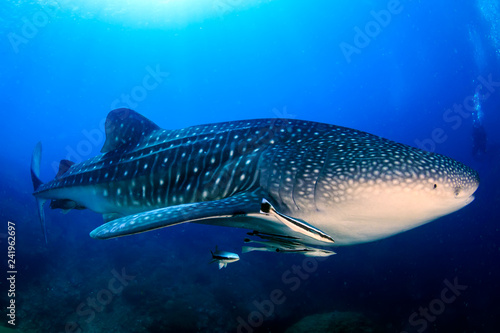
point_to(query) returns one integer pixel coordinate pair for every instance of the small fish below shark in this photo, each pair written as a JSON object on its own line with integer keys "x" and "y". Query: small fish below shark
{"x": 223, "y": 257}
{"x": 309, "y": 182}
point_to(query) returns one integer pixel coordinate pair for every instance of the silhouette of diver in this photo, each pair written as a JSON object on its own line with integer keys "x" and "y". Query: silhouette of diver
{"x": 479, "y": 137}
{"x": 479, "y": 140}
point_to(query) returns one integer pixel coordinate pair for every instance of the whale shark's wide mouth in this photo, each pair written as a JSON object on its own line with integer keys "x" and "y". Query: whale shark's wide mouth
{"x": 469, "y": 199}
{"x": 469, "y": 185}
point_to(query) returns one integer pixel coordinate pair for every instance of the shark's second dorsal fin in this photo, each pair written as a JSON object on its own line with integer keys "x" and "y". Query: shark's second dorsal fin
{"x": 64, "y": 166}
{"x": 125, "y": 128}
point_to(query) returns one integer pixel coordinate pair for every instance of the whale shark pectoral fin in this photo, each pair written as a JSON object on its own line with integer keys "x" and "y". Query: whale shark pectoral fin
{"x": 295, "y": 224}
{"x": 240, "y": 204}
{"x": 209, "y": 212}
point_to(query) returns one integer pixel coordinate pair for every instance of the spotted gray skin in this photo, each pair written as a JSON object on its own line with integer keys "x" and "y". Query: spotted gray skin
{"x": 330, "y": 182}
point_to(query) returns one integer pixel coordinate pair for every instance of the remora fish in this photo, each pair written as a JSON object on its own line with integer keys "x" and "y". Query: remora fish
{"x": 223, "y": 257}
{"x": 309, "y": 252}
{"x": 272, "y": 245}
{"x": 282, "y": 247}
{"x": 311, "y": 181}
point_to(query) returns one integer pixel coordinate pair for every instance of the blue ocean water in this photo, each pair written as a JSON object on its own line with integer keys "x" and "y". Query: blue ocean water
{"x": 404, "y": 70}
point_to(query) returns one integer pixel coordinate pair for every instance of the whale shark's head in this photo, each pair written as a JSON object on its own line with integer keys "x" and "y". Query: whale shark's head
{"x": 446, "y": 185}
{"x": 372, "y": 190}
{"x": 429, "y": 186}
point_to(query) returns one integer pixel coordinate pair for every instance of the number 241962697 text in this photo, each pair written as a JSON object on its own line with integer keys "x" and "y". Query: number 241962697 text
{"x": 11, "y": 263}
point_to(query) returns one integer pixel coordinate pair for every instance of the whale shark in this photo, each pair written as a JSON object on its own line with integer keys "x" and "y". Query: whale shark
{"x": 309, "y": 182}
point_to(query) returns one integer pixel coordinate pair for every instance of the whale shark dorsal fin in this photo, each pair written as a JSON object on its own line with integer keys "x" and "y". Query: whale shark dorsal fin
{"x": 125, "y": 128}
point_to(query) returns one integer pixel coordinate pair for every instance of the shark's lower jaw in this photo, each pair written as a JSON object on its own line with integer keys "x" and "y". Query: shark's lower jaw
{"x": 469, "y": 200}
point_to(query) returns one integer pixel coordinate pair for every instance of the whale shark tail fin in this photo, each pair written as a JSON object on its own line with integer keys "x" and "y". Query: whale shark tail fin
{"x": 35, "y": 178}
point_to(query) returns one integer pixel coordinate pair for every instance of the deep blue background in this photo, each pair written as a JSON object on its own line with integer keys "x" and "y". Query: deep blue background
{"x": 274, "y": 59}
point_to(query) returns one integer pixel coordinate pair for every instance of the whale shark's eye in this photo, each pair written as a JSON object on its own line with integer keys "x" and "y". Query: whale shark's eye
{"x": 457, "y": 191}
{"x": 435, "y": 186}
